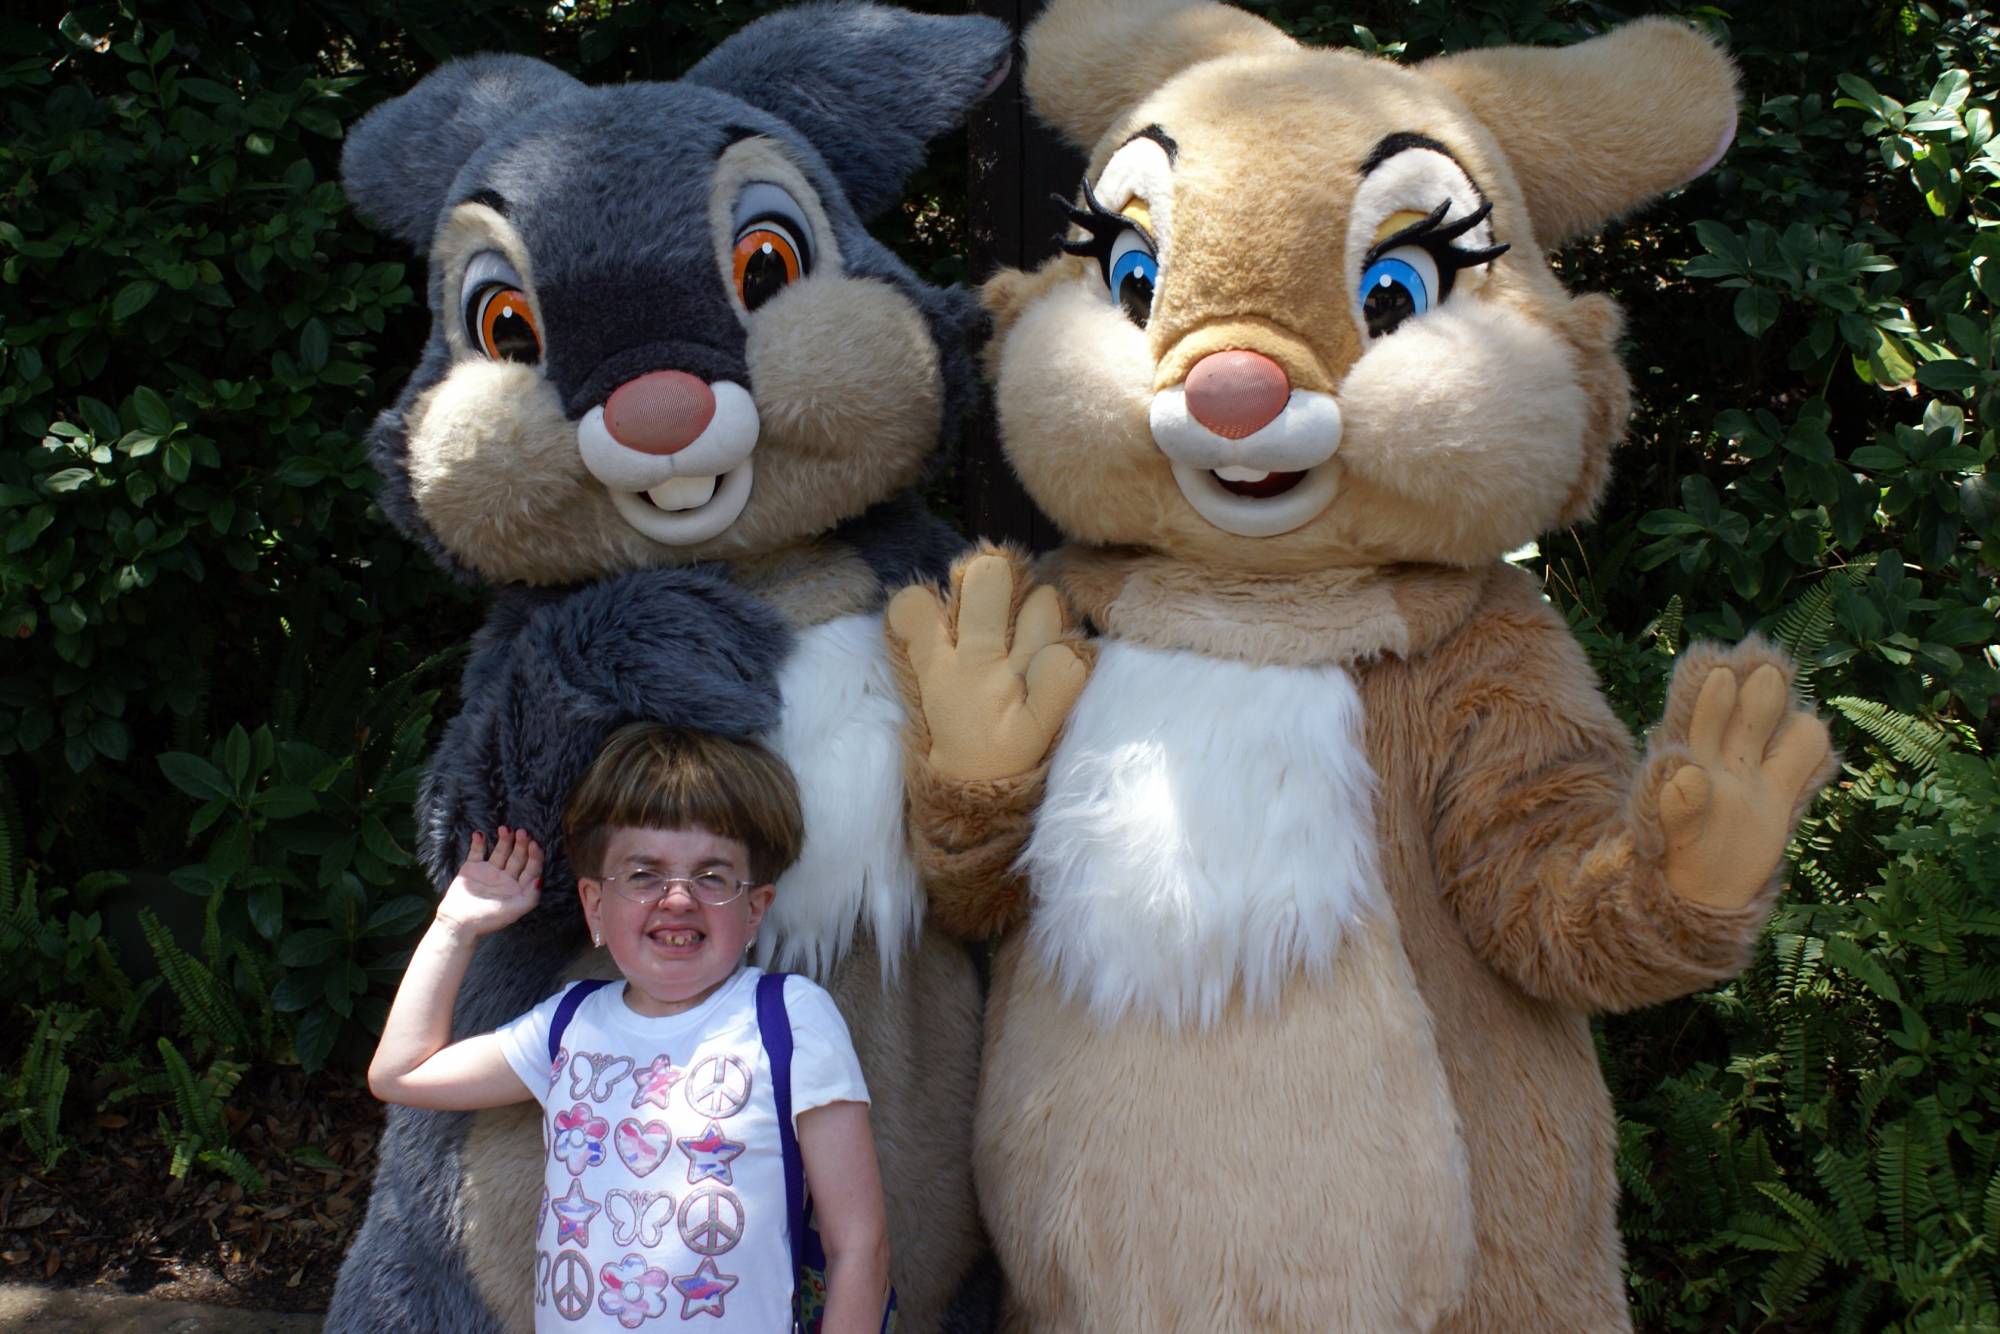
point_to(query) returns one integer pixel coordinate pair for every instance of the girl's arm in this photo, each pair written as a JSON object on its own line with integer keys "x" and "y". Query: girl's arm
{"x": 416, "y": 1063}
{"x": 846, "y": 1188}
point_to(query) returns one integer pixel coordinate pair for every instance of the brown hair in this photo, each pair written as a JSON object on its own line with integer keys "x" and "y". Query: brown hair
{"x": 651, "y": 776}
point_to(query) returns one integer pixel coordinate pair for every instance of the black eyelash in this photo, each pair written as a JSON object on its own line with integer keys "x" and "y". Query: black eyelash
{"x": 1104, "y": 228}
{"x": 1434, "y": 234}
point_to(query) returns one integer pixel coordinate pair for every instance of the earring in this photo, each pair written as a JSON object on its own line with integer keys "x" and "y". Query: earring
{"x": 596, "y": 939}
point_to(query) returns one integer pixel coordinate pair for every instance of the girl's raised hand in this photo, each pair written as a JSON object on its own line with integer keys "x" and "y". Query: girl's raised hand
{"x": 494, "y": 888}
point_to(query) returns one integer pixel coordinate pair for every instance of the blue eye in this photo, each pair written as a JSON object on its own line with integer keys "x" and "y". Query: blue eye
{"x": 1399, "y": 286}
{"x": 1131, "y": 276}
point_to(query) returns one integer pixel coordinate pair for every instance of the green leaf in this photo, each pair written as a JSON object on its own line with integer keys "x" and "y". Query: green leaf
{"x": 152, "y": 411}
{"x": 132, "y": 298}
{"x": 314, "y": 1041}
{"x": 1949, "y": 375}
{"x": 266, "y": 906}
{"x": 285, "y": 801}
{"x": 69, "y": 479}
{"x": 1756, "y": 310}
{"x": 313, "y": 345}
{"x": 314, "y": 945}
{"x": 176, "y": 460}
{"x": 196, "y": 776}
{"x": 399, "y": 916}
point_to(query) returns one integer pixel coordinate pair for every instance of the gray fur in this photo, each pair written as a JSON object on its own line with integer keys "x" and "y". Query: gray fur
{"x": 870, "y": 86}
{"x": 607, "y": 188}
{"x": 400, "y": 160}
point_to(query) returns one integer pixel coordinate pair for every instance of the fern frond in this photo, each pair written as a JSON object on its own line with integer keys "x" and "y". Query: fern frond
{"x": 11, "y": 829}
{"x": 1914, "y": 741}
{"x": 1666, "y": 627}
{"x": 207, "y": 1005}
{"x": 1804, "y": 629}
{"x": 1785, "y": 1280}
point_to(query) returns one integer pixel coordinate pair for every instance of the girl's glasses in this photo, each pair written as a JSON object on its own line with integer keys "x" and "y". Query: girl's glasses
{"x": 645, "y": 887}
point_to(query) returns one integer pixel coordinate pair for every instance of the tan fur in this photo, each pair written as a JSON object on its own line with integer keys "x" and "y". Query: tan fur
{"x": 975, "y": 891}
{"x": 1343, "y": 615}
{"x": 1596, "y": 129}
{"x": 918, "y": 1047}
{"x": 1140, "y": 1179}
{"x": 1255, "y": 200}
{"x": 1088, "y": 63}
{"x": 812, "y": 583}
{"x": 1519, "y": 837}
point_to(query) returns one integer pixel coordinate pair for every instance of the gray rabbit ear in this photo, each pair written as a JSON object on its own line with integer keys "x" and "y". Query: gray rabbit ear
{"x": 867, "y": 85}
{"x": 402, "y": 157}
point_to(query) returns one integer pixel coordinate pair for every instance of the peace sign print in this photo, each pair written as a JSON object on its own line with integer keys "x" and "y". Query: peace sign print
{"x": 718, "y": 1087}
{"x": 571, "y": 1285}
{"x": 711, "y": 1221}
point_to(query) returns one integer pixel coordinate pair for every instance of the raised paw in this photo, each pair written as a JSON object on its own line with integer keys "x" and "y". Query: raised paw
{"x": 994, "y": 684}
{"x": 1728, "y": 813}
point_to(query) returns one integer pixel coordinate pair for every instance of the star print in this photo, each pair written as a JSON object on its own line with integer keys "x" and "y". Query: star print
{"x": 703, "y": 1290}
{"x": 656, "y": 1082}
{"x": 573, "y": 1214}
{"x": 710, "y": 1155}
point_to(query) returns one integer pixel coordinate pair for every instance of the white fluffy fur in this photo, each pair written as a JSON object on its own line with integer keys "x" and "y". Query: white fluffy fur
{"x": 1209, "y": 825}
{"x": 841, "y": 733}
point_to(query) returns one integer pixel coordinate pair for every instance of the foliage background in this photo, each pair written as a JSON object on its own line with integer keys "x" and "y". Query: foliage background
{"x": 222, "y": 671}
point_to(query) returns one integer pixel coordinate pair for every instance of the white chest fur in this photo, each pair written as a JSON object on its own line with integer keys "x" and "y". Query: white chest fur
{"x": 1207, "y": 825}
{"x": 840, "y": 732}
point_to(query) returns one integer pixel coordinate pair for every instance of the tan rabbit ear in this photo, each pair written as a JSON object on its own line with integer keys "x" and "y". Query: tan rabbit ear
{"x": 1596, "y": 129}
{"x": 1091, "y": 61}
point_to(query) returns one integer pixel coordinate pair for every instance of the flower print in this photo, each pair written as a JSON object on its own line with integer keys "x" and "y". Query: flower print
{"x": 632, "y": 1290}
{"x": 579, "y": 1141}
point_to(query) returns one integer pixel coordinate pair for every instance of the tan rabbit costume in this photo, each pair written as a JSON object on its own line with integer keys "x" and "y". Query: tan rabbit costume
{"x": 1305, "y": 908}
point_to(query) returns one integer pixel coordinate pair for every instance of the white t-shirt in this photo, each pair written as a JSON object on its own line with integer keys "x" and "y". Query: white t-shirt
{"x": 664, "y": 1193}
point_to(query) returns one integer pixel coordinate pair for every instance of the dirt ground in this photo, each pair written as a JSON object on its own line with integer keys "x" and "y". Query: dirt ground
{"x": 109, "y": 1218}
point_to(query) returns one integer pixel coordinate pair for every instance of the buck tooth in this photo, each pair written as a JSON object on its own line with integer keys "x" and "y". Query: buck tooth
{"x": 1234, "y": 474}
{"x": 683, "y": 493}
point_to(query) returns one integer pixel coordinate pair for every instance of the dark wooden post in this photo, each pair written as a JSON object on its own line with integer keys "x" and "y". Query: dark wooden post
{"x": 1016, "y": 164}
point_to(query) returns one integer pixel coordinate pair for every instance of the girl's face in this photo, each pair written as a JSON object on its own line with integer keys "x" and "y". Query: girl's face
{"x": 675, "y": 951}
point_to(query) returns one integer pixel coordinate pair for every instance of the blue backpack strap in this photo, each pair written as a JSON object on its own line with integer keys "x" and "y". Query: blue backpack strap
{"x": 566, "y": 1011}
{"x": 774, "y": 1029}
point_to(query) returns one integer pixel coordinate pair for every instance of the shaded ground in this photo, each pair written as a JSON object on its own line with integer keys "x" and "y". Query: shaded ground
{"x": 39, "y": 1310}
{"x": 110, "y": 1215}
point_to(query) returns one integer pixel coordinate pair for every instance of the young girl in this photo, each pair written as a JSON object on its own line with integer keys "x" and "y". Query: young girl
{"x": 666, "y": 1194}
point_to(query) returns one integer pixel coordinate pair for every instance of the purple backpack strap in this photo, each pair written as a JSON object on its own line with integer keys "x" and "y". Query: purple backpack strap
{"x": 566, "y": 1011}
{"x": 774, "y": 1029}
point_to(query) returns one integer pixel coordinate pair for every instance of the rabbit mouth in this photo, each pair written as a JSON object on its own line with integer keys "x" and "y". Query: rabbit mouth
{"x": 687, "y": 510}
{"x": 1255, "y": 484}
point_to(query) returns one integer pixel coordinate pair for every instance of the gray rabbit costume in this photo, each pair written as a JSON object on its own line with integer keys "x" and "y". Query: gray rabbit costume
{"x": 670, "y": 412}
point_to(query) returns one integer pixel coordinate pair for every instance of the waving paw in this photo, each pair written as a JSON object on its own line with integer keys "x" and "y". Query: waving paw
{"x": 996, "y": 674}
{"x": 1728, "y": 813}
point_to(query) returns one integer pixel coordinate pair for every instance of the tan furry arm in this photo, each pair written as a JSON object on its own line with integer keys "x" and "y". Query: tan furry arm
{"x": 1549, "y": 842}
{"x": 965, "y": 838}
{"x": 967, "y": 832}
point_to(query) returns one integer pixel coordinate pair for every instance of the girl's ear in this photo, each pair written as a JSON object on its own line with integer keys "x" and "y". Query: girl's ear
{"x": 402, "y": 157}
{"x": 1091, "y": 61}
{"x": 759, "y": 899}
{"x": 591, "y": 894}
{"x": 867, "y": 85}
{"x": 1597, "y": 129}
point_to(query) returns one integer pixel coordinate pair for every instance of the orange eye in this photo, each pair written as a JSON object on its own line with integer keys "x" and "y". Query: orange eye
{"x": 767, "y": 258}
{"x": 500, "y": 324}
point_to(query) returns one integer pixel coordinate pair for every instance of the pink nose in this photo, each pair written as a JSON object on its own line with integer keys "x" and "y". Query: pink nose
{"x": 659, "y": 413}
{"x": 1236, "y": 393}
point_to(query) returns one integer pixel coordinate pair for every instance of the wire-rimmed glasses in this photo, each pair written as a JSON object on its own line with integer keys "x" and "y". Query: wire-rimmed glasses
{"x": 644, "y": 886}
